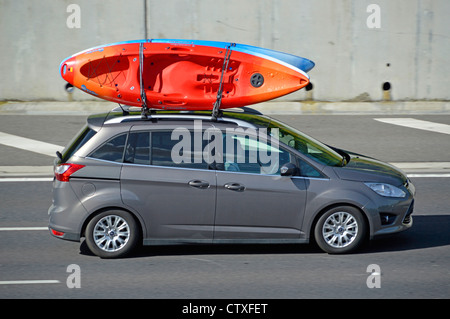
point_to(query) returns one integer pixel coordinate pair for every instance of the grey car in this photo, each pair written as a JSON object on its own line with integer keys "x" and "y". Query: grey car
{"x": 184, "y": 178}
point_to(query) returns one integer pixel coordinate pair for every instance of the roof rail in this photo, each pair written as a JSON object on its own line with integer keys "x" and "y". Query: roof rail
{"x": 182, "y": 116}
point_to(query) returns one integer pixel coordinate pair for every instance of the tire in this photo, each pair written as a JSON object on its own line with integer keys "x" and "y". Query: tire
{"x": 112, "y": 234}
{"x": 340, "y": 230}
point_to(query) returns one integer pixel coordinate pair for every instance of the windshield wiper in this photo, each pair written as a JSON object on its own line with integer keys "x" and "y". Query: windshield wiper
{"x": 345, "y": 156}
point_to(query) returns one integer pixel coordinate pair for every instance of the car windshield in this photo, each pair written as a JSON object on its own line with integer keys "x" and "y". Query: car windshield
{"x": 306, "y": 144}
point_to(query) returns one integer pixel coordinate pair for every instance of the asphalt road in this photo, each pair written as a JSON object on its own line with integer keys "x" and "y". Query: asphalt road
{"x": 413, "y": 264}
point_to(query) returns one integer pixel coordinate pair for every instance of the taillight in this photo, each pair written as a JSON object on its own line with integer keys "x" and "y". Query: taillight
{"x": 64, "y": 171}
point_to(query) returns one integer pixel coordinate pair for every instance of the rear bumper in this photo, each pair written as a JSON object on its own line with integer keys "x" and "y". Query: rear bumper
{"x": 61, "y": 234}
{"x": 66, "y": 214}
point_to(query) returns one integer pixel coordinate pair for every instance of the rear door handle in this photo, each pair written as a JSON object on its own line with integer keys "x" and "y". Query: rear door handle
{"x": 234, "y": 187}
{"x": 199, "y": 184}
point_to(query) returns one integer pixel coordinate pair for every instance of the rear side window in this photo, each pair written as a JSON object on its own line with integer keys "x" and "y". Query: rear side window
{"x": 79, "y": 140}
{"x": 112, "y": 150}
{"x": 166, "y": 151}
{"x": 138, "y": 148}
{"x": 157, "y": 148}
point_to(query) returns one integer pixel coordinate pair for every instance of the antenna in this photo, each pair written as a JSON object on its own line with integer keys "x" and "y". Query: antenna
{"x": 124, "y": 111}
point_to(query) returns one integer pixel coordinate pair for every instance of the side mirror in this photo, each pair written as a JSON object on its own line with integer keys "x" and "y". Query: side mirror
{"x": 288, "y": 169}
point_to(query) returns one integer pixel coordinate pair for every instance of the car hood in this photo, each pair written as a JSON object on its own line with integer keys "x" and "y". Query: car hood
{"x": 366, "y": 169}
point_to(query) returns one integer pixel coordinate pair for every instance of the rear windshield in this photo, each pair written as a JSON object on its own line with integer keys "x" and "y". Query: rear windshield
{"x": 77, "y": 142}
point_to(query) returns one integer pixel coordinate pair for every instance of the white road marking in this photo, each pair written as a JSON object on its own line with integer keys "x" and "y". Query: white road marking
{"x": 26, "y": 171}
{"x": 22, "y": 228}
{"x": 423, "y": 167}
{"x": 28, "y": 282}
{"x": 25, "y": 179}
{"x": 13, "y": 174}
{"x": 48, "y": 179}
{"x": 29, "y": 144}
{"x": 417, "y": 124}
{"x": 428, "y": 175}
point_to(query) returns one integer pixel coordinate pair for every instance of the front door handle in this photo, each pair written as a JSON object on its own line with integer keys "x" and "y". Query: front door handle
{"x": 199, "y": 184}
{"x": 235, "y": 187}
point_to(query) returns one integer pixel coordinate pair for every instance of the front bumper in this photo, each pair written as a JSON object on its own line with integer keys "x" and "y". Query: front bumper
{"x": 397, "y": 223}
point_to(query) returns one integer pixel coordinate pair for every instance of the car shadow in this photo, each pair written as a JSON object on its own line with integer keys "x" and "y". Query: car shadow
{"x": 211, "y": 249}
{"x": 426, "y": 232}
{"x": 227, "y": 249}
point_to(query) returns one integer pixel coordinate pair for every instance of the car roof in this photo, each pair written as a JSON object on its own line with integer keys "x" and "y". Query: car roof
{"x": 243, "y": 117}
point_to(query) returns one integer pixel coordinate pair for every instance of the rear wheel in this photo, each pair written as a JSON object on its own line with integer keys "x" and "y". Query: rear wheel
{"x": 340, "y": 230}
{"x": 112, "y": 234}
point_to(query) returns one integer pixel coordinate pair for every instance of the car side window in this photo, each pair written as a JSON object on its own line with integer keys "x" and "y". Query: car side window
{"x": 112, "y": 150}
{"x": 173, "y": 150}
{"x": 138, "y": 148}
{"x": 248, "y": 154}
{"x": 307, "y": 170}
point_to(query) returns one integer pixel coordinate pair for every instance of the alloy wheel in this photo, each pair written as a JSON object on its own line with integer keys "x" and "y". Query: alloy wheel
{"x": 111, "y": 233}
{"x": 340, "y": 229}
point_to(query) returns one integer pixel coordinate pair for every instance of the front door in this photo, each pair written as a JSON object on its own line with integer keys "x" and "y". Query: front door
{"x": 254, "y": 202}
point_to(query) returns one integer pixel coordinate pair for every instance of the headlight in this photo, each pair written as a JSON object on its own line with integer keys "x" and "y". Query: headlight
{"x": 386, "y": 190}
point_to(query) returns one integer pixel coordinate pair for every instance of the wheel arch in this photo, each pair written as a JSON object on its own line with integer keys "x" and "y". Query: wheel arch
{"x": 136, "y": 217}
{"x": 324, "y": 209}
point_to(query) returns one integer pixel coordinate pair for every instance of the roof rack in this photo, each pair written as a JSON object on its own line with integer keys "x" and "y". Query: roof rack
{"x": 127, "y": 109}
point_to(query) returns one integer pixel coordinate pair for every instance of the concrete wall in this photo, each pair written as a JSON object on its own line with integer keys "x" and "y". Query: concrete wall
{"x": 410, "y": 49}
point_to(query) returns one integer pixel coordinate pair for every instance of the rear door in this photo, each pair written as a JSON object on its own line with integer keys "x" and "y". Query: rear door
{"x": 175, "y": 199}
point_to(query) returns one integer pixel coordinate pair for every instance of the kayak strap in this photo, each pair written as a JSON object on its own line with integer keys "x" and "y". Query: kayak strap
{"x": 145, "y": 110}
{"x": 226, "y": 61}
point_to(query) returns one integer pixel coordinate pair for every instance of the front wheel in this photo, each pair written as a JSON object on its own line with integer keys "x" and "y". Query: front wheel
{"x": 112, "y": 234}
{"x": 340, "y": 230}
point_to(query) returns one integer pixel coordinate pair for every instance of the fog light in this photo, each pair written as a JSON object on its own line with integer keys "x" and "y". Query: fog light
{"x": 387, "y": 219}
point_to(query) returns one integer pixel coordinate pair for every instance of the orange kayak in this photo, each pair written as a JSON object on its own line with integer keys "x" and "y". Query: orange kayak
{"x": 183, "y": 74}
